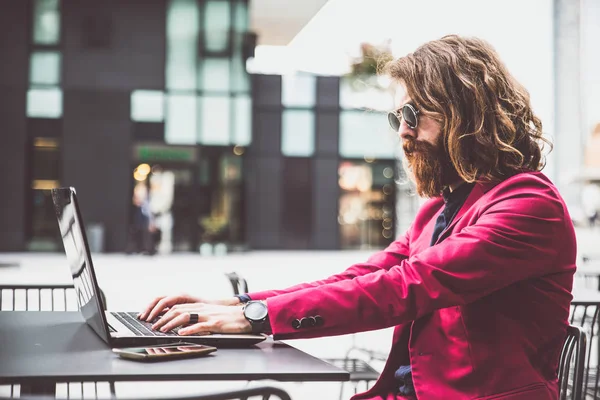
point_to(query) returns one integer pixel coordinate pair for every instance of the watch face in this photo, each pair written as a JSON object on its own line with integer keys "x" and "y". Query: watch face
{"x": 255, "y": 311}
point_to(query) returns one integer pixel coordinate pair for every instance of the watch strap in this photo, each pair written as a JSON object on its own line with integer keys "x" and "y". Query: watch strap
{"x": 243, "y": 298}
{"x": 258, "y": 326}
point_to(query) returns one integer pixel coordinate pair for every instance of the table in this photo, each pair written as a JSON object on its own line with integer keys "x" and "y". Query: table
{"x": 40, "y": 349}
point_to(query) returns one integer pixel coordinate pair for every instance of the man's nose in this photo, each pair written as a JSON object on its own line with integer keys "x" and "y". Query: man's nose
{"x": 406, "y": 131}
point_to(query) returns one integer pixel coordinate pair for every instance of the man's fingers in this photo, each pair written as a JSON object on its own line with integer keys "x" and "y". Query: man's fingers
{"x": 179, "y": 320}
{"x": 160, "y": 306}
{"x": 153, "y": 303}
{"x": 164, "y": 319}
{"x": 201, "y": 328}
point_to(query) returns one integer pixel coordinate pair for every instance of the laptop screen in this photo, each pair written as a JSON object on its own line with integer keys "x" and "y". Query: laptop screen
{"x": 79, "y": 259}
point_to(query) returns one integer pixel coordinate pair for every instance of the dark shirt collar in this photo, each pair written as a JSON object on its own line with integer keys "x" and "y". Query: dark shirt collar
{"x": 458, "y": 195}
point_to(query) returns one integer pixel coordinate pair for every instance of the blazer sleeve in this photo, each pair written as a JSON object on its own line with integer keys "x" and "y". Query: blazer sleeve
{"x": 518, "y": 235}
{"x": 383, "y": 260}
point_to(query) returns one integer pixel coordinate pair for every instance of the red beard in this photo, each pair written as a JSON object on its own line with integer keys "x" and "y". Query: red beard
{"x": 430, "y": 165}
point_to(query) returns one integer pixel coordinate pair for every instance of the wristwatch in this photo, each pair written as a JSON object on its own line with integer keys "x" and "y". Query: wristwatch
{"x": 256, "y": 313}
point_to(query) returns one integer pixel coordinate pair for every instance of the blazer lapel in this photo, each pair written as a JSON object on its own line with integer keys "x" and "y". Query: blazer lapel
{"x": 479, "y": 190}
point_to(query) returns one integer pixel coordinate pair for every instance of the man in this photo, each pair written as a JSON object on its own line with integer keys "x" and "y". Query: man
{"x": 479, "y": 287}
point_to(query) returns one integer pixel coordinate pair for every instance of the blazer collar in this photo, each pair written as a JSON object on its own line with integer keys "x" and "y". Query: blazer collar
{"x": 477, "y": 192}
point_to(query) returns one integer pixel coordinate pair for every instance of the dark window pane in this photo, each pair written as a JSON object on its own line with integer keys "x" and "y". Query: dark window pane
{"x": 297, "y": 209}
{"x": 44, "y": 127}
{"x": 149, "y": 131}
{"x": 46, "y": 159}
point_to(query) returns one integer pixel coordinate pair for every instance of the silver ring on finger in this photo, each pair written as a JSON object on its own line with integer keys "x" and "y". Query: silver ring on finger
{"x": 193, "y": 318}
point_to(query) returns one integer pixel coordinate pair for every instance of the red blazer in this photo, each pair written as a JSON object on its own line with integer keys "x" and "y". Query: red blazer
{"x": 479, "y": 315}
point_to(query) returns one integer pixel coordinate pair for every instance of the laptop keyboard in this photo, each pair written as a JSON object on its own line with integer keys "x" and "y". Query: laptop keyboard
{"x": 140, "y": 328}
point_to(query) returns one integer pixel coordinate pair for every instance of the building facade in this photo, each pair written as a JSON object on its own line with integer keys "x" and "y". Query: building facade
{"x": 112, "y": 96}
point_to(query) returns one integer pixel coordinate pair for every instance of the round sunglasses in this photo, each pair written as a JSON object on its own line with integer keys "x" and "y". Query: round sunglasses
{"x": 408, "y": 112}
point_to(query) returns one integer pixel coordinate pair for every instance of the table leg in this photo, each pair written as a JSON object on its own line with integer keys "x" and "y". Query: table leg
{"x": 39, "y": 388}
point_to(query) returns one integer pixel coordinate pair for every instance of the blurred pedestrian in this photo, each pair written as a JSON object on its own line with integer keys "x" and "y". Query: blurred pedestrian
{"x": 142, "y": 226}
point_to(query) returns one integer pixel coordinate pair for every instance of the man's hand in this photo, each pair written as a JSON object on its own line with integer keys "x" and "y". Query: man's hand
{"x": 165, "y": 303}
{"x": 212, "y": 318}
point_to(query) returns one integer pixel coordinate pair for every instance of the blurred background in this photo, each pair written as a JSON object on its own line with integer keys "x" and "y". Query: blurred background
{"x": 245, "y": 135}
{"x": 228, "y": 125}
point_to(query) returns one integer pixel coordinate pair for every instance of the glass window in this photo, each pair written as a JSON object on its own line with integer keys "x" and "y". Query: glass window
{"x": 242, "y": 121}
{"x": 240, "y": 78}
{"x": 215, "y": 120}
{"x": 216, "y": 25}
{"x": 298, "y": 133}
{"x": 46, "y": 22}
{"x": 44, "y": 68}
{"x": 147, "y": 106}
{"x": 182, "y": 44}
{"x": 366, "y": 134}
{"x": 44, "y": 103}
{"x": 45, "y": 159}
{"x": 366, "y": 204}
{"x": 215, "y": 74}
{"x": 298, "y": 90}
{"x": 240, "y": 23}
{"x": 180, "y": 119}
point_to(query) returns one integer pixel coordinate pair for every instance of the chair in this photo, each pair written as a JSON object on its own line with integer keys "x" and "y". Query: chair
{"x": 47, "y": 297}
{"x": 44, "y": 297}
{"x": 359, "y": 369}
{"x": 575, "y": 342}
{"x": 266, "y": 392}
{"x": 238, "y": 284}
{"x": 586, "y": 314}
{"x": 260, "y": 392}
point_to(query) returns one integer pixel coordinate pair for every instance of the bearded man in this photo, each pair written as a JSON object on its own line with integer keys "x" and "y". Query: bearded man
{"x": 479, "y": 287}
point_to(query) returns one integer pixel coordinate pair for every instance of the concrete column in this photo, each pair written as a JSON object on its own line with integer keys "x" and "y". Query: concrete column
{"x": 14, "y": 44}
{"x": 567, "y": 157}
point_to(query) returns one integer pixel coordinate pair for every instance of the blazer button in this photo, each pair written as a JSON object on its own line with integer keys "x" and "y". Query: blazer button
{"x": 319, "y": 321}
{"x": 296, "y": 324}
{"x": 312, "y": 321}
{"x": 304, "y": 323}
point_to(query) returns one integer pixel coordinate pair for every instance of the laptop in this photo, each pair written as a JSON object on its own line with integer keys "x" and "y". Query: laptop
{"x": 118, "y": 329}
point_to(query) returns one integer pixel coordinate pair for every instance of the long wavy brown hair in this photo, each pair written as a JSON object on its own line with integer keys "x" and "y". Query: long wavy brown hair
{"x": 489, "y": 129}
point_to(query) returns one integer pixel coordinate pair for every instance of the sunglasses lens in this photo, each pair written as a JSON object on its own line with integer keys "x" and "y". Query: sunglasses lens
{"x": 394, "y": 121}
{"x": 409, "y": 115}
